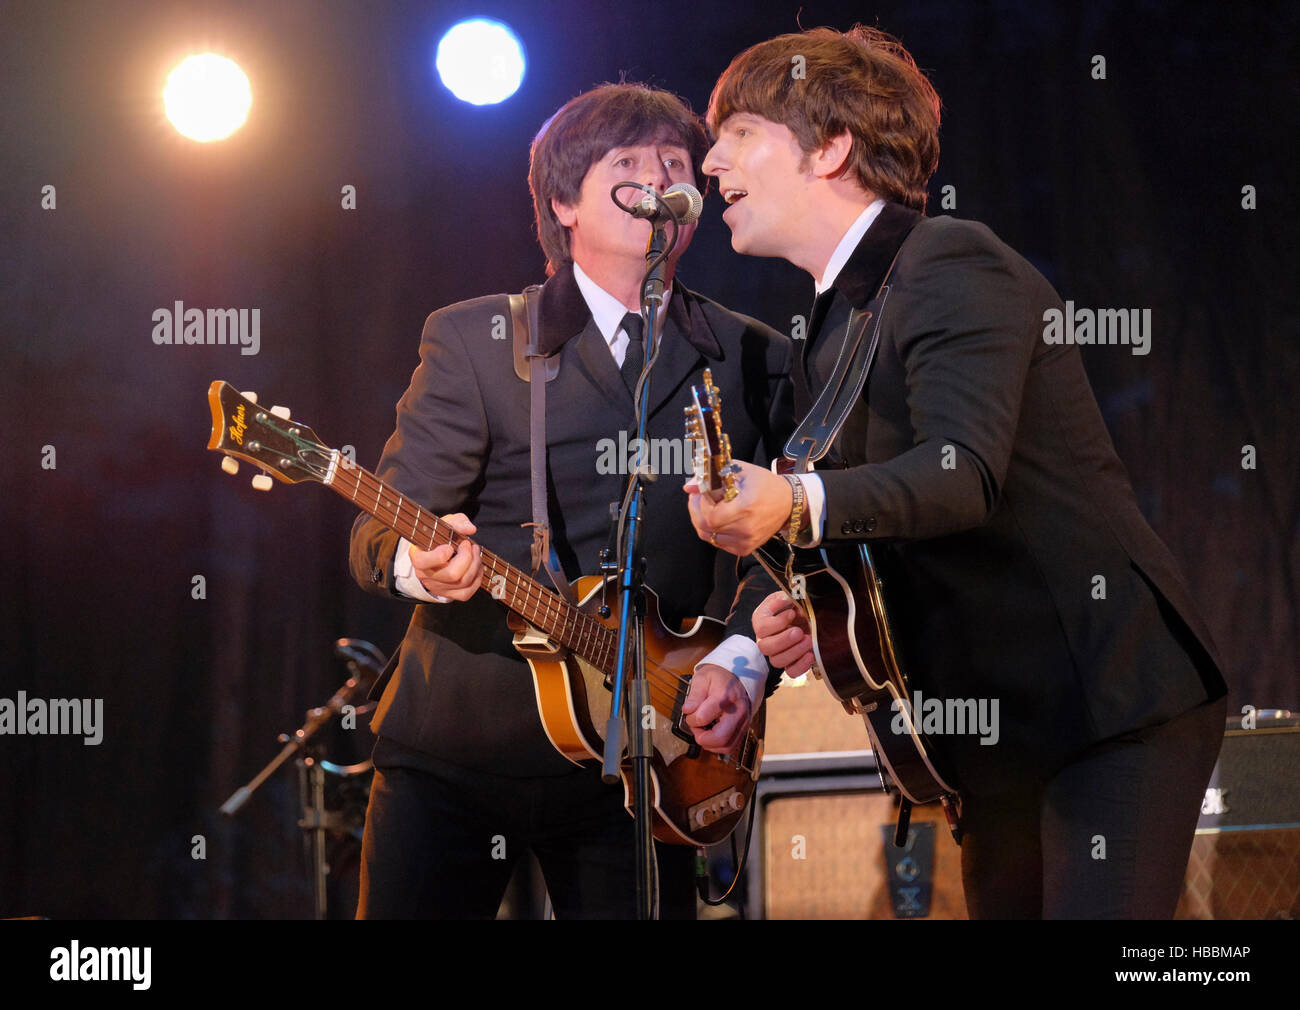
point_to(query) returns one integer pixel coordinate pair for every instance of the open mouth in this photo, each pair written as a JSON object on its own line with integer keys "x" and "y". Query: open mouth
{"x": 733, "y": 195}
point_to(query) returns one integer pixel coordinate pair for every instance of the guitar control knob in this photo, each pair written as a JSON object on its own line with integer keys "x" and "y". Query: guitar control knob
{"x": 281, "y": 412}
{"x": 262, "y": 482}
{"x": 230, "y": 465}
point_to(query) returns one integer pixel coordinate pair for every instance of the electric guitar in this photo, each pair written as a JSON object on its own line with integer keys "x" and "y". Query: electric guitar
{"x": 842, "y": 595}
{"x": 698, "y": 796}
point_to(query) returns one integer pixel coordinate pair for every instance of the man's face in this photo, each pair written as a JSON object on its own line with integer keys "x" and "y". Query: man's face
{"x": 601, "y": 236}
{"x": 764, "y": 177}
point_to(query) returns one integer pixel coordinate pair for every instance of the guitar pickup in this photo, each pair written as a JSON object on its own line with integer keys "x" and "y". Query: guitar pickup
{"x": 679, "y": 727}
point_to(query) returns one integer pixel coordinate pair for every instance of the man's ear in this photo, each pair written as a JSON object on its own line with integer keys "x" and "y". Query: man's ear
{"x": 565, "y": 213}
{"x": 831, "y": 157}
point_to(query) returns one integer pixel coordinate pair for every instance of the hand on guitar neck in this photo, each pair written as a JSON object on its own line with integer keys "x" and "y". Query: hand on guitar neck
{"x": 453, "y": 572}
{"x": 735, "y": 506}
{"x": 759, "y": 511}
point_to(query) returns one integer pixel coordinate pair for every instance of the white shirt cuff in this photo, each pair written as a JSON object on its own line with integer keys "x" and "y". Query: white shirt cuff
{"x": 405, "y": 579}
{"x": 742, "y": 657}
{"x": 814, "y": 493}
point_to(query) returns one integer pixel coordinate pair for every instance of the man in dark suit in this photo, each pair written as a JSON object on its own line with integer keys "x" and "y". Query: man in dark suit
{"x": 467, "y": 780}
{"x": 1021, "y": 574}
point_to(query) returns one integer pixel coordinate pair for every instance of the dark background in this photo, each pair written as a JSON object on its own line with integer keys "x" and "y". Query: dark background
{"x": 1125, "y": 192}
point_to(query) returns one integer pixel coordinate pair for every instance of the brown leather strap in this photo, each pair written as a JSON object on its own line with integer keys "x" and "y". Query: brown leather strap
{"x": 525, "y": 312}
{"x": 519, "y": 326}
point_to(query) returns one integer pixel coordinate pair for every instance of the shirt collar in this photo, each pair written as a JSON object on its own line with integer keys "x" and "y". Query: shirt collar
{"x": 606, "y": 310}
{"x": 847, "y": 244}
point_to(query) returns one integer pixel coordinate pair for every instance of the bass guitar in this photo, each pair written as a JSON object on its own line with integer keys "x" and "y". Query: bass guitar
{"x": 698, "y": 796}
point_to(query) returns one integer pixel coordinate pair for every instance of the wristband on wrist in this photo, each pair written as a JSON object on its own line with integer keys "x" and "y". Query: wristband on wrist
{"x": 791, "y": 532}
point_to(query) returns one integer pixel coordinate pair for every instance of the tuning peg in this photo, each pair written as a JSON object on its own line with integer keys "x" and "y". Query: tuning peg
{"x": 230, "y": 465}
{"x": 282, "y": 412}
{"x": 262, "y": 482}
{"x": 250, "y": 396}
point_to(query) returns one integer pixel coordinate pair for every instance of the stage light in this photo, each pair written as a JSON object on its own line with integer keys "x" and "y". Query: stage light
{"x": 480, "y": 61}
{"x": 207, "y": 97}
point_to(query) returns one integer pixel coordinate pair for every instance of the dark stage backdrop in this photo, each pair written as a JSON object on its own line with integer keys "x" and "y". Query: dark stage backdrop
{"x": 1127, "y": 192}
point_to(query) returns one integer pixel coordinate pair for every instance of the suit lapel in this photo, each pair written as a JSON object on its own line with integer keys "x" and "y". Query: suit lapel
{"x": 567, "y": 324}
{"x": 597, "y": 364}
{"x": 693, "y": 332}
{"x": 679, "y": 359}
{"x": 865, "y": 269}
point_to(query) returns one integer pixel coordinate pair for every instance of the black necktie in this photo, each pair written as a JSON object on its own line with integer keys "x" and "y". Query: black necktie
{"x": 821, "y": 305}
{"x": 635, "y": 356}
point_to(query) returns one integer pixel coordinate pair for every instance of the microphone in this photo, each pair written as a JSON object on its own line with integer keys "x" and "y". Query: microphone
{"x": 684, "y": 199}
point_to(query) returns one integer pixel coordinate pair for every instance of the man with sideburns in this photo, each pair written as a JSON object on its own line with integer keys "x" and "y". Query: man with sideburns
{"x": 976, "y": 463}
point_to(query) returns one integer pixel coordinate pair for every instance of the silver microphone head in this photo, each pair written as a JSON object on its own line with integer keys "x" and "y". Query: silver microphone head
{"x": 684, "y": 198}
{"x": 696, "y": 202}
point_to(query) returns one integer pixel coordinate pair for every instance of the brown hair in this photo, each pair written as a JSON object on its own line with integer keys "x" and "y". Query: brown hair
{"x": 820, "y": 83}
{"x": 584, "y": 130}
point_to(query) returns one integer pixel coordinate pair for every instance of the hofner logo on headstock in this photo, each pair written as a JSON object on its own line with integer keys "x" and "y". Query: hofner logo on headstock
{"x": 237, "y": 429}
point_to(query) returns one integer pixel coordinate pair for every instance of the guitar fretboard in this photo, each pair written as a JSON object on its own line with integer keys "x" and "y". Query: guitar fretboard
{"x": 541, "y": 607}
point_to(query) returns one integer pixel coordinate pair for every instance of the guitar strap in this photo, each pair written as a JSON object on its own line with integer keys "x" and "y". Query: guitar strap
{"x": 525, "y": 318}
{"x": 816, "y": 433}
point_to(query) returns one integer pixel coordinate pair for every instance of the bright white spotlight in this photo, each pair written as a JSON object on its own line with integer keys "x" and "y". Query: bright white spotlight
{"x": 207, "y": 97}
{"x": 480, "y": 61}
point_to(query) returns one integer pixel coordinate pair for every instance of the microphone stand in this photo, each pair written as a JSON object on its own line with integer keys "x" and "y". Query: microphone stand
{"x": 637, "y": 714}
{"x": 365, "y": 664}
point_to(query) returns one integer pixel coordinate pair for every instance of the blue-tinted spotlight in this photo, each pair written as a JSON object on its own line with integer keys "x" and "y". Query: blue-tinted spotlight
{"x": 480, "y": 61}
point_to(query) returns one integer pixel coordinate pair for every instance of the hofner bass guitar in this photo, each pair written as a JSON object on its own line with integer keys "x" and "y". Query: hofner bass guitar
{"x": 842, "y": 596}
{"x": 698, "y": 797}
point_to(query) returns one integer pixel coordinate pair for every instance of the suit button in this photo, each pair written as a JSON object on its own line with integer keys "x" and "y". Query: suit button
{"x": 846, "y": 527}
{"x": 871, "y": 524}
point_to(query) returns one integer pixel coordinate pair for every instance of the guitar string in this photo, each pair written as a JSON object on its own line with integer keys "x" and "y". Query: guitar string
{"x": 664, "y": 685}
{"x": 553, "y": 608}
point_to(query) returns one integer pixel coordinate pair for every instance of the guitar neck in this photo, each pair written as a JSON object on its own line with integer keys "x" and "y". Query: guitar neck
{"x": 541, "y": 607}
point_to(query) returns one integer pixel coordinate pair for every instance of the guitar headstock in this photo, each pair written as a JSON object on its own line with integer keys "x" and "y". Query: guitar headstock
{"x": 266, "y": 437}
{"x": 715, "y": 471}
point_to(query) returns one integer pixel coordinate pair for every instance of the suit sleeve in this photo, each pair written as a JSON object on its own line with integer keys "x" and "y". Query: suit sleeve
{"x": 435, "y": 456}
{"x": 965, "y": 331}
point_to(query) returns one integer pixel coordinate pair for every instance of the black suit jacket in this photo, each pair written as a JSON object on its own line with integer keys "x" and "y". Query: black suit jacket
{"x": 458, "y": 690}
{"x": 1017, "y": 563}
